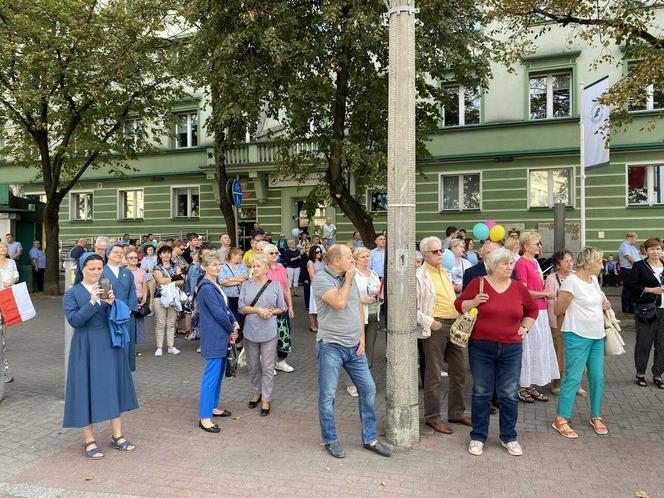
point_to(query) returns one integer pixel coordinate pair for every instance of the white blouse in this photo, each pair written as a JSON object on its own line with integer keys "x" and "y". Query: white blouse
{"x": 9, "y": 272}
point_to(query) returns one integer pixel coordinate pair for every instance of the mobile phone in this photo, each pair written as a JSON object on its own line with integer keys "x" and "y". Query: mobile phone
{"x": 105, "y": 285}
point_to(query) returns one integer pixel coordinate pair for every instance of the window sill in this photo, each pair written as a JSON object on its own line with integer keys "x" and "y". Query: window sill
{"x": 185, "y": 218}
{"x": 459, "y": 211}
{"x": 130, "y": 220}
{"x": 647, "y": 112}
{"x": 539, "y": 208}
{"x": 644, "y": 206}
{"x": 545, "y": 120}
{"x": 81, "y": 221}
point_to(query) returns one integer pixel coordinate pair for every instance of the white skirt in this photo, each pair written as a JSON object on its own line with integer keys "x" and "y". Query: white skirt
{"x": 539, "y": 365}
{"x": 312, "y": 304}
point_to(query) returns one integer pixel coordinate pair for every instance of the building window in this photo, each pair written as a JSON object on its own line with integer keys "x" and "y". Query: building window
{"x": 130, "y": 203}
{"x": 377, "y": 202}
{"x": 460, "y": 192}
{"x": 186, "y": 130}
{"x": 185, "y": 202}
{"x": 550, "y": 95}
{"x": 132, "y": 130}
{"x": 80, "y": 206}
{"x": 463, "y": 107}
{"x": 644, "y": 185}
{"x": 550, "y": 186}
{"x": 650, "y": 99}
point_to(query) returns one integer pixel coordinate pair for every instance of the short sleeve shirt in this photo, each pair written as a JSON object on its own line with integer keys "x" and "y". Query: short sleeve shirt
{"x": 336, "y": 326}
{"x": 255, "y": 328}
{"x": 584, "y": 316}
{"x": 227, "y": 272}
{"x": 627, "y": 249}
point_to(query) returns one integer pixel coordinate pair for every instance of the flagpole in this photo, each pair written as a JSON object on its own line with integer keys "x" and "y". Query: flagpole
{"x": 583, "y": 169}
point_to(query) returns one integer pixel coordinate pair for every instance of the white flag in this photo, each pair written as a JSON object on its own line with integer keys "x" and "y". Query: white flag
{"x": 593, "y": 115}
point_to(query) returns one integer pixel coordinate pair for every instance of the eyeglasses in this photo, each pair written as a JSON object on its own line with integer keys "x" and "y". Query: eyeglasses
{"x": 272, "y": 253}
{"x": 318, "y": 252}
{"x": 436, "y": 251}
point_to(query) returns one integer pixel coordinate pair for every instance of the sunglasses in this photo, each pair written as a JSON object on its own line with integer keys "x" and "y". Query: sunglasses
{"x": 318, "y": 252}
{"x": 436, "y": 251}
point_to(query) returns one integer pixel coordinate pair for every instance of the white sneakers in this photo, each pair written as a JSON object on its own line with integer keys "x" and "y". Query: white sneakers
{"x": 476, "y": 448}
{"x": 171, "y": 350}
{"x": 283, "y": 366}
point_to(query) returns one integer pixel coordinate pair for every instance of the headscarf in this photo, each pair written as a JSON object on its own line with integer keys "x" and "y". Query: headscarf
{"x": 110, "y": 247}
{"x": 81, "y": 263}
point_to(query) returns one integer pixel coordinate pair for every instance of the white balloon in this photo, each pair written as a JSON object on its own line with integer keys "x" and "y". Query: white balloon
{"x": 296, "y": 232}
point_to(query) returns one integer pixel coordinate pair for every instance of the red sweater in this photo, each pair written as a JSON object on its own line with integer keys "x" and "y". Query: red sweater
{"x": 500, "y": 317}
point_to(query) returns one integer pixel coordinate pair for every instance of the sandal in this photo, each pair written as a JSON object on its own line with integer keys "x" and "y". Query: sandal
{"x": 535, "y": 394}
{"x": 121, "y": 443}
{"x": 641, "y": 381}
{"x": 562, "y": 426}
{"x": 525, "y": 396}
{"x": 658, "y": 383}
{"x": 92, "y": 453}
{"x": 599, "y": 426}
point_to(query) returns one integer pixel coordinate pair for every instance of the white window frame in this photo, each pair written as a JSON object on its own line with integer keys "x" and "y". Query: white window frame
{"x": 129, "y": 128}
{"x": 549, "y": 92}
{"x": 174, "y": 204}
{"x": 72, "y": 193}
{"x": 461, "y": 192}
{"x": 650, "y": 182}
{"x": 572, "y": 186}
{"x": 462, "y": 106}
{"x": 122, "y": 191}
{"x": 369, "y": 205}
{"x": 189, "y": 114}
{"x": 39, "y": 195}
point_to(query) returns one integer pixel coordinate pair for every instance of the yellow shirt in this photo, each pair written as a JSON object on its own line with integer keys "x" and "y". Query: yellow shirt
{"x": 248, "y": 258}
{"x": 444, "y": 293}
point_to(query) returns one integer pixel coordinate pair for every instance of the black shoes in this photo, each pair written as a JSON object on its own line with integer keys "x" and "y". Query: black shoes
{"x": 265, "y": 412}
{"x": 215, "y": 428}
{"x": 224, "y": 413}
{"x": 335, "y": 449}
{"x": 379, "y": 448}
{"x": 254, "y": 404}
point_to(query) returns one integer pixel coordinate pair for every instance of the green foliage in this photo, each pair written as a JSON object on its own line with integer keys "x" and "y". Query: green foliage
{"x": 72, "y": 72}
{"x": 320, "y": 68}
{"x": 632, "y": 24}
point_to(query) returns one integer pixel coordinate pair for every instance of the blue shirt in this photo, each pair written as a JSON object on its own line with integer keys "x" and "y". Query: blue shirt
{"x": 627, "y": 249}
{"x": 378, "y": 262}
{"x": 227, "y": 272}
{"x": 38, "y": 256}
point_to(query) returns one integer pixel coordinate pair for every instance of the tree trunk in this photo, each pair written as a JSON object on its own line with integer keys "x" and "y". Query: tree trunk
{"x": 225, "y": 203}
{"x": 355, "y": 211}
{"x": 52, "y": 230}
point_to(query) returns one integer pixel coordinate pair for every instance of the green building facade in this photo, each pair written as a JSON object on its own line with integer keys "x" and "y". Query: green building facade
{"x": 506, "y": 155}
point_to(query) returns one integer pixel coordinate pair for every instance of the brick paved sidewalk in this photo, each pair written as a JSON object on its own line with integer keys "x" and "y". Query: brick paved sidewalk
{"x": 280, "y": 455}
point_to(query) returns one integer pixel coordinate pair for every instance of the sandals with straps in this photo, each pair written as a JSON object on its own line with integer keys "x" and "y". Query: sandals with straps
{"x": 92, "y": 453}
{"x": 658, "y": 382}
{"x": 121, "y": 443}
{"x": 535, "y": 394}
{"x": 524, "y": 396}
{"x": 562, "y": 426}
{"x": 599, "y": 426}
{"x": 641, "y": 381}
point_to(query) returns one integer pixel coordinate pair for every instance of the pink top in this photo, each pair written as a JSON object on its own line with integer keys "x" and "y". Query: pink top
{"x": 139, "y": 278}
{"x": 279, "y": 274}
{"x": 551, "y": 284}
{"x": 529, "y": 272}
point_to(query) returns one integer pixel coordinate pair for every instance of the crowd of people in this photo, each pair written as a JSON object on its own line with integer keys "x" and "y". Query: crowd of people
{"x": 533, "y": 336}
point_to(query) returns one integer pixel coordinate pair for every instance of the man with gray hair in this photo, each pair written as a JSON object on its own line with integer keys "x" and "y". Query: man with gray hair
{"x": 100, "y": 246}
{"x": 340, "y": 343}
{"x": 628, "y": 254}
{"x": 436, "y": 314}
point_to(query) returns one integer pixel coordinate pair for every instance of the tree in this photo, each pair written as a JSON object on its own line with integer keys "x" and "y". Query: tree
{"x": 634, "y": 24}
{"x": 320, "y": 69}
{"x": 72, "y": 73}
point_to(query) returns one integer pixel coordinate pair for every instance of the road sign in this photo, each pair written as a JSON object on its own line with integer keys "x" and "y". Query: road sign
{"x": 236, "y": 190}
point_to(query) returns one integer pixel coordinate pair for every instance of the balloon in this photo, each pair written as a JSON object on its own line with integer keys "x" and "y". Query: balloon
{"x": 448, "y": 259}
{"x": 497, "y": 233}
{"x": 490, "y": 223}
{"x": 481, "y": 231}
{"x": 296, "y": 232}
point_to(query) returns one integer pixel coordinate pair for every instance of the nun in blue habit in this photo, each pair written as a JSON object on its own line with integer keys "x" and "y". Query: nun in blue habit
{"x": 122, "y": 281}
{"x": 99, "y": 383}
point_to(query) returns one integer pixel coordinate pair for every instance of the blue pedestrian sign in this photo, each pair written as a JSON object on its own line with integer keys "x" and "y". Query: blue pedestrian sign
{"x": 236, "y": 190}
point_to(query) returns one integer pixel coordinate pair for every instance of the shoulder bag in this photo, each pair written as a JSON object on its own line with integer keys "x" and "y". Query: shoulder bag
{"x": 613, "y": 343}
{"x": 646, "y": 312}
{"x": 463, "y": 326}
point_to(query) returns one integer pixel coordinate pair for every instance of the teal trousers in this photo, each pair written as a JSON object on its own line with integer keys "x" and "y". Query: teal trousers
{"x": 581, "y": 353}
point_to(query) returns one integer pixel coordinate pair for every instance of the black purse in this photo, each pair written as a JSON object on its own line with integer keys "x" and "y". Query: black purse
{"x": 645, "y": 313}
{"x": 231, "y": 361}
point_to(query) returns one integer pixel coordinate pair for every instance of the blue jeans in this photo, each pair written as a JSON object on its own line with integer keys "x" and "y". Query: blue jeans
{"x": 494, "y": 365}
{"x": 331, "y": 357}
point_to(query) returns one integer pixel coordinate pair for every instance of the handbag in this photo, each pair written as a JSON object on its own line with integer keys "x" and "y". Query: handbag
{"x": 231, "y": 361}
{"x": 284, "y": 344}
{"x": 645, "y": 312}
{"x": 463, "y": 326}
{"x": 614, "y": 344}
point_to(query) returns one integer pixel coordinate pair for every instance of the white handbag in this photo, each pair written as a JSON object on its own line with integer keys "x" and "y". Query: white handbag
{"x": 614, "y": 344}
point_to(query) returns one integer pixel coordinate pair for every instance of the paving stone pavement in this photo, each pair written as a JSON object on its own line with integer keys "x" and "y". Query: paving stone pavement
{"x": 281, "y": 455}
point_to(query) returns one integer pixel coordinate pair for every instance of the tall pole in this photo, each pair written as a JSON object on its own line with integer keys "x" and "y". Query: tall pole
{"x": 582, "y": 173}
{"x": 401, "y": 390}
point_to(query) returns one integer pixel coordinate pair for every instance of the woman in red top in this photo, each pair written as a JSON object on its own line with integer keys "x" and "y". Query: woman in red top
{"x": 505, "y": 313}
{"x": 539, "y": 364}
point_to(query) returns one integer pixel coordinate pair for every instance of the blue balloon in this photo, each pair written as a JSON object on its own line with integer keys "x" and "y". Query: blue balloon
{"x": 481, "y": 231}
{"x": 448, "y": 259}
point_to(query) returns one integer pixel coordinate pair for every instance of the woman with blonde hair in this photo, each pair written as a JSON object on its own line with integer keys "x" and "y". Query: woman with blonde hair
{"x": 539, "y": 364}
{"x": 8, "y": 277}
{"x": 582, "y": 302}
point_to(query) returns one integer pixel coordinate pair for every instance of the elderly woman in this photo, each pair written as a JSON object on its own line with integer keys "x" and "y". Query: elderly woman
{"x": 582, "y": 302}
{"x": 233, "y": 274}
{"x": 8, "y": 277}
{"x": 461, "y": 264}
{"x": 277, "y": 273}
{"x": 148, "y": 262}
{"x": 647, "y": 286}
{"x": 99, "y": 383}
{"x": 540, "y": 365}
{"x": 314, "y": 265}
{"x": 261, "y": 300}
{"x": 218, "y": 326}
{"x": 141, "y": 283}
{"x": 506, "y": 312}
{"x": 563, "y": 262}
{"x": 512, "y": 244}
{"x": 165, "y": 273}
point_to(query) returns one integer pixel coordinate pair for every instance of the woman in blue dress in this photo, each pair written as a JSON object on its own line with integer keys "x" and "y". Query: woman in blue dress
{"x": 99, "y": 383}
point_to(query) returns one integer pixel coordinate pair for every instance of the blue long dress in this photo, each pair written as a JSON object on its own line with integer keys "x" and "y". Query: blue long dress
{"x": 99, "y": 383}
{"x": 125, "y": 290}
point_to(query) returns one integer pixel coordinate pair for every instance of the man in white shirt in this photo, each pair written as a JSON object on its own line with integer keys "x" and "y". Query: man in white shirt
{"x": 329, "y": 231}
